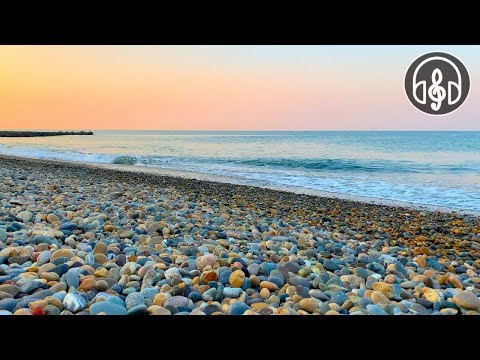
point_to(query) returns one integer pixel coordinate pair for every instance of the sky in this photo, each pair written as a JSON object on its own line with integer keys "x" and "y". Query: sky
{"x": 222, "y": 88}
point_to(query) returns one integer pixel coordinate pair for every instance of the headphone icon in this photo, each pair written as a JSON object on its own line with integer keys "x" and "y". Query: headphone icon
{"x": 437, "y": 73}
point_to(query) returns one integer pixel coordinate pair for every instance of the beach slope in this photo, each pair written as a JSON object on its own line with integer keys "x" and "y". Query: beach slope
{"x": 82, "y": 239}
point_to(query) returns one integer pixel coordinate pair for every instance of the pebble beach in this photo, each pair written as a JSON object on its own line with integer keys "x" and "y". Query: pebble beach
{"x": 82, "y": 240}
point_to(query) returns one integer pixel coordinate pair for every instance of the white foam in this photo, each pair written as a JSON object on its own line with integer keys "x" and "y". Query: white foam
{"x": 398, "y": 188}
{"x": 50, "y": 154}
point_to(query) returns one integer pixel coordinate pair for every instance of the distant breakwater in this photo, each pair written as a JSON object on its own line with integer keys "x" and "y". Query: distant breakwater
{"x": 42, "y": 133}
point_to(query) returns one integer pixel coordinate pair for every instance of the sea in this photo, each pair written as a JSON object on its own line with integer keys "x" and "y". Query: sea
{"x": 425, "y": 167}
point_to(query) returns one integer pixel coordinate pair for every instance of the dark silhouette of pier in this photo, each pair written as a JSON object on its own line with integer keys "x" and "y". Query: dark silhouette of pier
{"x": 42, "y": 133}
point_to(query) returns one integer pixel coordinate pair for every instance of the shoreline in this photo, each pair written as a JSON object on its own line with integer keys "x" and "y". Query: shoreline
{"x": 80, "y": 239}
{"x": 184, "y": 174}
{"x": 291, "y": 189}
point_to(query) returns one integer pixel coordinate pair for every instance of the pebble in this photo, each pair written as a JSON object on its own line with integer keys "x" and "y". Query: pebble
{"x": 161, "y": 298}
{"x": 133, "y": 300}
{"x": 177, "y": 301}
{"x": 197, "y": 312}
{"x": 238, "y": 308}
{"x": 376, "y": 310}
{"x": 127, "y": 234}
{"x": 467, "y": 300}
{"x": 268, "y": 285}
{"x": 237, "y": 278}
{"x": 224, "y": 277}
{"x": 49, "y": 276}
{"x": 52, "y": 218}
{"x": 210, "y": 309}
{"x": 37, "y": 304}
{"x": 10, "y": 289}
{"x": 309, "y": 304}
{"x": 74, "y": 303}
{"x": 208, "y": 260}
{"x": 408, "y": 284}
{"x": 158, "y": 310}
{"x": 291, "y": 266}
{"x": 140, "y": 309}
{"x": 24, "y": 216}
{"x": 101, "y": 285}
{"x": 100, "y": 259}
{"x": 419, "y": 309}
{"x": 51, "y": 310}
{"x": 68, "y": 253}
{"x": 455, "y": 281}
{"x": 108, "y": 308}
{"x": 232, "y": 292}
{"x": 72, "y": 279}
{"x": 378, "y": 297}
{"x": 267, "y": 267}
{"x": 171, "y": 273}
{"x": 8, "y": 304}
{"x": 51, "y": 300}
{"x": 30, "y": 286}
{"x": 23, "y": 312}
{"x": 330, "y": 265}
{"x": 68, "y": 226}
{"x": 44, "y": 257}
{"x": 448, "y": 311}
{"x": 60, "y": 269}
{"x": 87, "y": 284}
{"x": 253, "y": 269}
{"x": 100, "y": 248}
{"x": 386, "y": 289}
{"x": 431, "y": 295}
{"x": 339, "y": 298}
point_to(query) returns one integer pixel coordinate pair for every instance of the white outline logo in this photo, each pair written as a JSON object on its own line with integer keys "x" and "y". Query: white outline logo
{"x": 432, "y": 98}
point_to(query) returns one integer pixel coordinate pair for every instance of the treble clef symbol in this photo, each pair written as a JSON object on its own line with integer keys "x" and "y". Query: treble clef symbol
{"x": 436, "y": 92}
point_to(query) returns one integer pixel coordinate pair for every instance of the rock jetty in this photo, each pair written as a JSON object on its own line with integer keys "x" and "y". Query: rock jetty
{"x": 42, "y": 133}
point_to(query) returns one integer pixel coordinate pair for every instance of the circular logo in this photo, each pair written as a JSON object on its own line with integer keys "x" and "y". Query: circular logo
{"x": 437, "y": 83}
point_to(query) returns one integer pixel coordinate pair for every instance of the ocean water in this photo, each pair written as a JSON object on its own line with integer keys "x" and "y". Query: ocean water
{"x": 429, "y": 168}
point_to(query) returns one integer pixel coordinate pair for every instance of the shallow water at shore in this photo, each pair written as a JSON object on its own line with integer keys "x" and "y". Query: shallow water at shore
{"x": 430, "y": 168}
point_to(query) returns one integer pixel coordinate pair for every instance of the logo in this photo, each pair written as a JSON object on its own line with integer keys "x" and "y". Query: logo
{"x": 437, "y": 83}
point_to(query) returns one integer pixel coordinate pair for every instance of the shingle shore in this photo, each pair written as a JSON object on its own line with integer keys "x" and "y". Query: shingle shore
{"x": 81, "y": 240}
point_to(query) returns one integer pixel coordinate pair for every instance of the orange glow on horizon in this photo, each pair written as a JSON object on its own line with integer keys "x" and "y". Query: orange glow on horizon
{"x": 190, "y": 88}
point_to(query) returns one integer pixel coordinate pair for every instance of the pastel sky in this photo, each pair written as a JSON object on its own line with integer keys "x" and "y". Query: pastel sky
{"x": 221, "y": 88}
